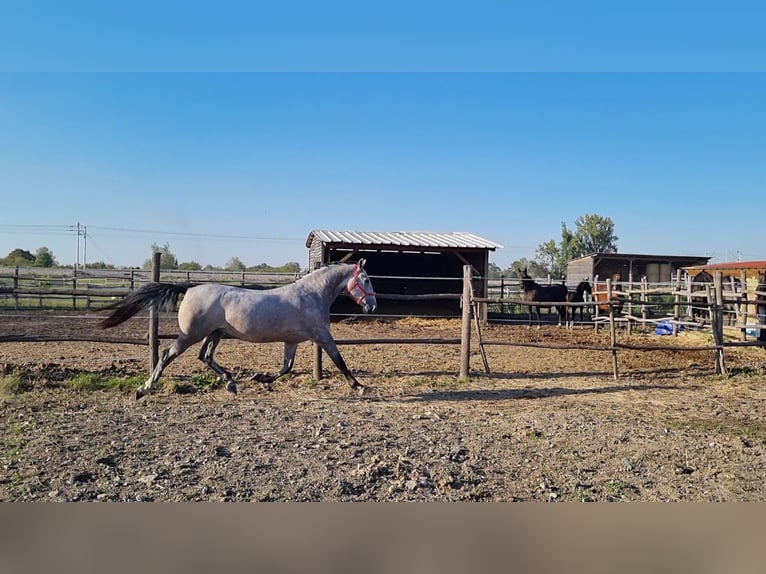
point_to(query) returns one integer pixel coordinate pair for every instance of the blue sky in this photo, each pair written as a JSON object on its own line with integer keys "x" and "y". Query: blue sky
{"x": 223, "y": 137}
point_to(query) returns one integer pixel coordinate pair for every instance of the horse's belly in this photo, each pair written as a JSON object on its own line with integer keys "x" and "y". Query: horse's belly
{"x": 262, "y": 336}
{"x": 265, "y": 329}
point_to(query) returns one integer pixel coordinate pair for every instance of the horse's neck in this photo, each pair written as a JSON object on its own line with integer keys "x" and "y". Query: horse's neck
{"x": 331, "y": 282}
{"x": 529, "y": 284}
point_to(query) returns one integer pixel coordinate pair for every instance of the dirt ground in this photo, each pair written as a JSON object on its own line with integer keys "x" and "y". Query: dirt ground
{"x": 545, "y": 425}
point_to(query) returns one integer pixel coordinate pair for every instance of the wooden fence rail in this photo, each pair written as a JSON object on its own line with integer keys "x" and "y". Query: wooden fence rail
{"x": 469, "y": 316}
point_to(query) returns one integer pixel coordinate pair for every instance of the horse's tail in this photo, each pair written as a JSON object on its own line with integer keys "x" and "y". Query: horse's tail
{"x": 160, "y": 295}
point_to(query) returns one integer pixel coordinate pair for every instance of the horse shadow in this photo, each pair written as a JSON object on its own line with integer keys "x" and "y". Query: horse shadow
{"x": 553, "y": 391}
{"x": 518, "y": 394}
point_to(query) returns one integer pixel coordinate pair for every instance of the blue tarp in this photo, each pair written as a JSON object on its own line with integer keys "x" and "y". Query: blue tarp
{"x": 665, "y": 328}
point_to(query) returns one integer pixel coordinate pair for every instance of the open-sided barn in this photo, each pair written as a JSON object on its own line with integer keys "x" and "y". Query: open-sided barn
{"x": 732, "y": 269}
{"x": 630, "y": 266}
{"x": 403, "y": 264}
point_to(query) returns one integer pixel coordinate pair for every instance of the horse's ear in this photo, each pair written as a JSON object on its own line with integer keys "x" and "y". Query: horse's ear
{"x": 361, "y": 263}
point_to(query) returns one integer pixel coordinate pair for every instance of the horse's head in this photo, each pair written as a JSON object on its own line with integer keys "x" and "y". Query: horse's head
{"x": 584, "y": 287}
{"x": 360, "y": 288}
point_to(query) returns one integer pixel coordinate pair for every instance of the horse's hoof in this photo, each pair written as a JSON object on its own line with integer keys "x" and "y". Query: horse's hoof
{"x": 362, "y": 390}
{"x": 231, "y": 386}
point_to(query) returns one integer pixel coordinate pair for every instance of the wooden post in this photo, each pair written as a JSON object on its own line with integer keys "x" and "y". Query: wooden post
{"x": 503, "y": 306}
{"x": 74, "y": 288}
{"x": 742, "y": 306}
{"x": 612, "y": 328}
{"x": 154, "y": 315}
{"x": 317, "y": 362}
{"x": 644, "y": 298}
{"x": 677, "y": 302}
{"x": 717, "y": 317}
{"x": 16, "y": 287}
{"x": 465, "y": 335}
{"x": 595, "y": 307}
{"x": 630, "y": 304}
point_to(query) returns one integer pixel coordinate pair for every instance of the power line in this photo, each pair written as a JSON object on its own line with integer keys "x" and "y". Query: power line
{"x": 196, "y": 235}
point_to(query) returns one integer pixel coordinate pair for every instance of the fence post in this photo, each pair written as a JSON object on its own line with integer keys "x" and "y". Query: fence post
{"x": 154, "y": 315}
{"x": 317, "y": 362}
{"x": 629, "y": 326}
{"x": 16, "y": 287}
{"x": 742, "y": 306}
{"x": 503, "y": 306}
{"x": 612, "y": 329}
{"x": 465, "y": 335}
{"x": 74, "y": 288}
{"x": 677, "y": 302}
{"x": 717, "y": 318}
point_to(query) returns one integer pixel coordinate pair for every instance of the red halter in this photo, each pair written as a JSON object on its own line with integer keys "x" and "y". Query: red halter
{"x": 355, "y": 285}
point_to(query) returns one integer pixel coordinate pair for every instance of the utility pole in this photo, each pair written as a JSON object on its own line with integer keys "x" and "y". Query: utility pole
{"x": 77, "y": 259}
{"x": 81, "y": 230}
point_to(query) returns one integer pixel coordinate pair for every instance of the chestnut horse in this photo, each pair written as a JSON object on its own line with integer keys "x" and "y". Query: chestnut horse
{"x": 600, "y": 294}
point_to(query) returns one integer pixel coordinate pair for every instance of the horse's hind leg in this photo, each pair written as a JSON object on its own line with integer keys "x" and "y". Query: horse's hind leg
{"x": 206, "y": 353}
{"x": 168, "y": 355}
{"x": 287, "y": 365}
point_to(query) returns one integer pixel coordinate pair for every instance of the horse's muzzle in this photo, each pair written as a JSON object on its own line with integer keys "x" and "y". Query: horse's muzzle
{"x": 369, "y": 304}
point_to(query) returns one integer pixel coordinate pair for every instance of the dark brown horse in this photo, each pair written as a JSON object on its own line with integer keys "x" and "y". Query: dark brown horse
{"x": 576, "y": 296}
{"x": 534, "y": 292}
{"x": 700, "y": 305}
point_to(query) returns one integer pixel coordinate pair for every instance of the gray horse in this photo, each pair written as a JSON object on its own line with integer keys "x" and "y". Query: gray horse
{"x": 291, "y": 314}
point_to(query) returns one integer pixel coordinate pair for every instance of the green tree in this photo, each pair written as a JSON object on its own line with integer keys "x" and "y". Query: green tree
{"x": 291, "y": 267}
{"x": 592, "y": 234}
{"x": 168, "y": 260}
{"x": 534, "y": 268}
{"x": 100, "y": 265}
{"x": 44, "y": 258}
{"x": 235, "y": 264}
{"x": 548, "y": 255}
{"x": 190, "y": 266}
{"x": 20, "y": 257}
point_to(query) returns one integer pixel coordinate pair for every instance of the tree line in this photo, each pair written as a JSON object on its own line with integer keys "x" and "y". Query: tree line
{"x": 44, "y": 257}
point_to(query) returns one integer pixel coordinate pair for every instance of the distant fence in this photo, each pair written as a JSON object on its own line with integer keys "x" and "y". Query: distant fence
{"x": 23, "y": 287}
{"x": 644, "y": 305}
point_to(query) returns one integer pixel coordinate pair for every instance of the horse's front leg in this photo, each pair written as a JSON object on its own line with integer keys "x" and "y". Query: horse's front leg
{"x": 328, "y": 345}
{"x": 287, "y": 365}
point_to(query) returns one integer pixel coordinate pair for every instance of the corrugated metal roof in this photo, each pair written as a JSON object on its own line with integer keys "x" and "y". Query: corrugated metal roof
{"x": 643, "y": 257}
{"x": 731, "y": 266}
{"x": 420, "y": 239}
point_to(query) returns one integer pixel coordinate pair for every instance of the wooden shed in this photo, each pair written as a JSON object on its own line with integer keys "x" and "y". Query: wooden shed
{"x": 402, "y": 264}
{"x": 631, "y": 266}
{"x": 733, "y": 269}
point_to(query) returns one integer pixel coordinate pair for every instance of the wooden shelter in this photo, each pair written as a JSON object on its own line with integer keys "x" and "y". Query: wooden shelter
{"x": 734, "y": 269}
{"x": 405, "y": 264}
{"x": 631, "y": 266}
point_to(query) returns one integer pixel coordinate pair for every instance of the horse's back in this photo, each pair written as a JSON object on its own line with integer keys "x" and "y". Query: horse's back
{"x": 257, "y": 316}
